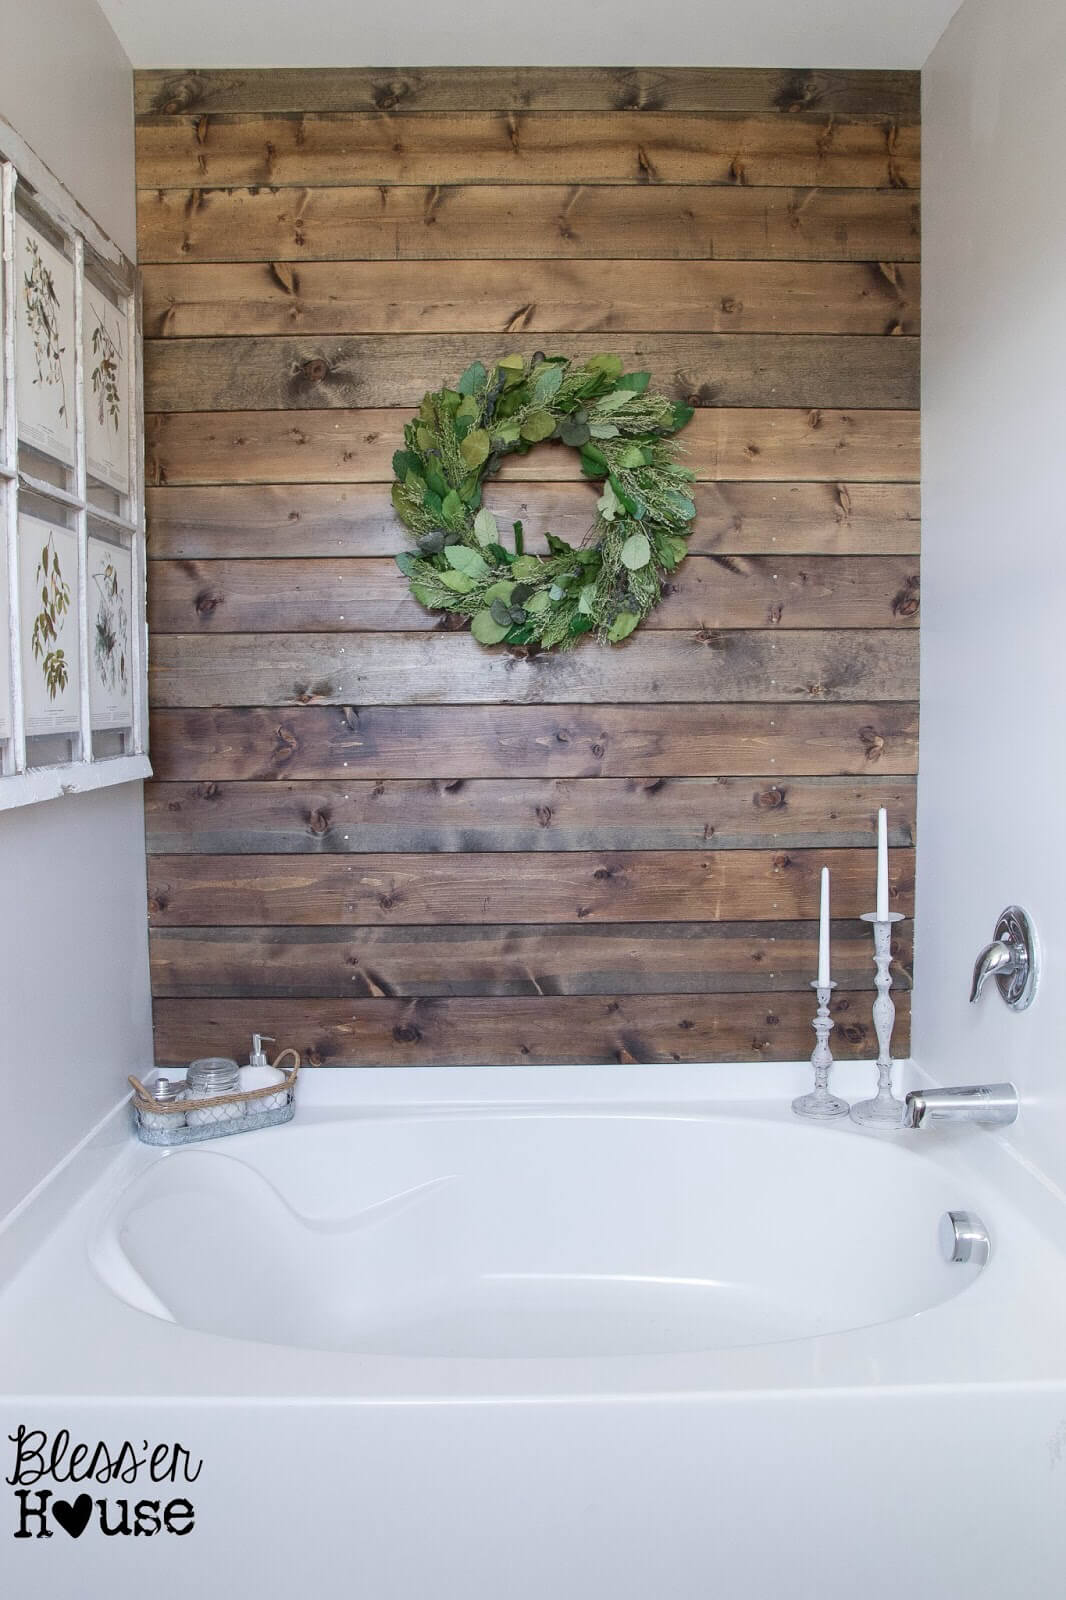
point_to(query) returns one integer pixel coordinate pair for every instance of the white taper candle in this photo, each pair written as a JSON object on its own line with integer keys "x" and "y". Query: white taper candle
{"x": 882, "y": 866}
{"x": 823, "y": 933}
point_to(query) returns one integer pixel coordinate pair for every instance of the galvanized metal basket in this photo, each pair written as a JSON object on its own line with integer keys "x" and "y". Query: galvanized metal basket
{"x": 171, "y": 1122}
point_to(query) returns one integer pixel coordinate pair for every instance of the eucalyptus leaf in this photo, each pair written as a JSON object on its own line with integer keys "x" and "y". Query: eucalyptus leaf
{"x": 473, "y": 378}
{"x": 456, "y": 581}
{"x": 622, "y": 626}
{"x": 637, "y": 381}
{"x": 526, "y": 568}
{"x": 486, "y": 530}
{"x": 406, "y": 562}
{"x": 611, "y": 366}
{"x": 475, "y": 448}
{"x": 486, "y": 629}
{"x": 575, "y": 432}
{"x": 538, "y": 425}
{"x": 636, "y": 552}
{"x": 452, "y": 508}
{"x": 609, "y": 505}
{"x": 538, "y": 602}
{"x": 500, "y": 612}
{"x": 614, "y": 401}
{"x": 465, "y": 560}
{"x": 546, "y": 385}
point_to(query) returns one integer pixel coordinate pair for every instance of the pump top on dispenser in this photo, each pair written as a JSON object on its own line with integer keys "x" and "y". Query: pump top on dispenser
{"x": 258, "y": 1057}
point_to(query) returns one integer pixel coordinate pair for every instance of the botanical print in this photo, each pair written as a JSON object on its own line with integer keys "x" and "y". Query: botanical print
{"x": 48, "y": 588}
{"x": 44, "y": 344}
{"x": 55, "y": 603}
{"x": 104, "y": 375}
{"x": 107, "y": 442}
{"x": 110, "y": 596}
{"x": 42, "y": 319}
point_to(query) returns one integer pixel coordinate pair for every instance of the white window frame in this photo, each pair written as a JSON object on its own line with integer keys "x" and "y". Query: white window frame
{"x": 23, "y": 175}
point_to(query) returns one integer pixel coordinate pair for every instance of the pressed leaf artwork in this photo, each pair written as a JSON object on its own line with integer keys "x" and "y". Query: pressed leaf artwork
{"x": 104, "y": 376}
{"x": 55, "y": 603}
{"x": 44, "y": 344}
{"x": 105, "y": 366}
{"x": 48, "y": 586}
{"x": 111, "y": 629}
{"x": 110, "y": 612}
{"x": 42, "y": 317}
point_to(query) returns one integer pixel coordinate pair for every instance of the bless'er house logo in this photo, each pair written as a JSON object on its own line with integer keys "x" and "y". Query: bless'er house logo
{"x": 153, "y": 1476}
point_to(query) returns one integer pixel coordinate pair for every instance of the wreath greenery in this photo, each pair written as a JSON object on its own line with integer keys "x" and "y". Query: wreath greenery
{"x": 609, "y": 583}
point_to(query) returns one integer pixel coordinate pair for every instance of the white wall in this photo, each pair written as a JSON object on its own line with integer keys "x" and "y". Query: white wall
{"x": 66, "y": 86}
{"x": 74, "y": 995}
{"x": 992, "y": 790}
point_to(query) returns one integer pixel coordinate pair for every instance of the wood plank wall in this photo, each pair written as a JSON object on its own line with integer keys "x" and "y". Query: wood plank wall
{"x": 369, "y": 836}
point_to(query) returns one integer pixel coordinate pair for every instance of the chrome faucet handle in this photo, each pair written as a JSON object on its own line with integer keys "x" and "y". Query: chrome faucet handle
{"x": 998, "y": 959}
{"x": 1012, "y": 959}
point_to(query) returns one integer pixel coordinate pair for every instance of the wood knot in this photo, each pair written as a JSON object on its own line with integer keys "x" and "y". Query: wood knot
{"x": 908, "y": 601}
{"x": 544, "y": 816}
{"x": 782, "y": 862}
{"x": 318, "y": 822}
{"x": 406, "y": 1033}
{"x": 872, "y": 743}
{"x": 602, "y": 874}
{"x": 316, "y": 369}
{"x": 208, "y": 791}
{"x": 772, "y": 799}
{"x": 207, "y": 603}
{"x": 178, "y": 95}
{"x": 315, "y": 1057}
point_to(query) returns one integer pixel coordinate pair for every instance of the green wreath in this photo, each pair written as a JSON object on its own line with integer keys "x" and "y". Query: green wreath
{"x": 609, "y": 583}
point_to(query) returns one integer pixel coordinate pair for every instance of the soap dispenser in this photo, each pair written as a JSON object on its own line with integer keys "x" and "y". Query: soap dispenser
{"x": 259, "y": 1073}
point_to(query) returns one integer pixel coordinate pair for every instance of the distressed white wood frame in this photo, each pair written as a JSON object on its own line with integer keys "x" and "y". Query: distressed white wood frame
{"x": 26, "y": 183}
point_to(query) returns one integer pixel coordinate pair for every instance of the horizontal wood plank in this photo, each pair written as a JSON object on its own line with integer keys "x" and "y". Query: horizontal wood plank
{"x": 701, "y": 667}
{"x": 483, "y": 221}
{"x": 544, "y": 742}
{"x": 585, "y": 887}
{"x": 789, "y": 92}
{"x": 527, "y": 959}
{"x": 731, "y": 443}
{"x": 436, "y": 815}
{"x": 250, "y": 299}
{"x": 369, "y": 594}
{"x": 294, "y": 373}
{"x": 275, "y": 521}
{"x": 516, "y": 1031}
{"x": 523, "y": 147}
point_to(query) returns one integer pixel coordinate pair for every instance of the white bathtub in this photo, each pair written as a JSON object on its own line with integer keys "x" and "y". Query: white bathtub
{"x": 566, "y": 1332}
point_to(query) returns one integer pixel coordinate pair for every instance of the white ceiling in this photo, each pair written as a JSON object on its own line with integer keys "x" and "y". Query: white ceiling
{"x": 414, "y": 33}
